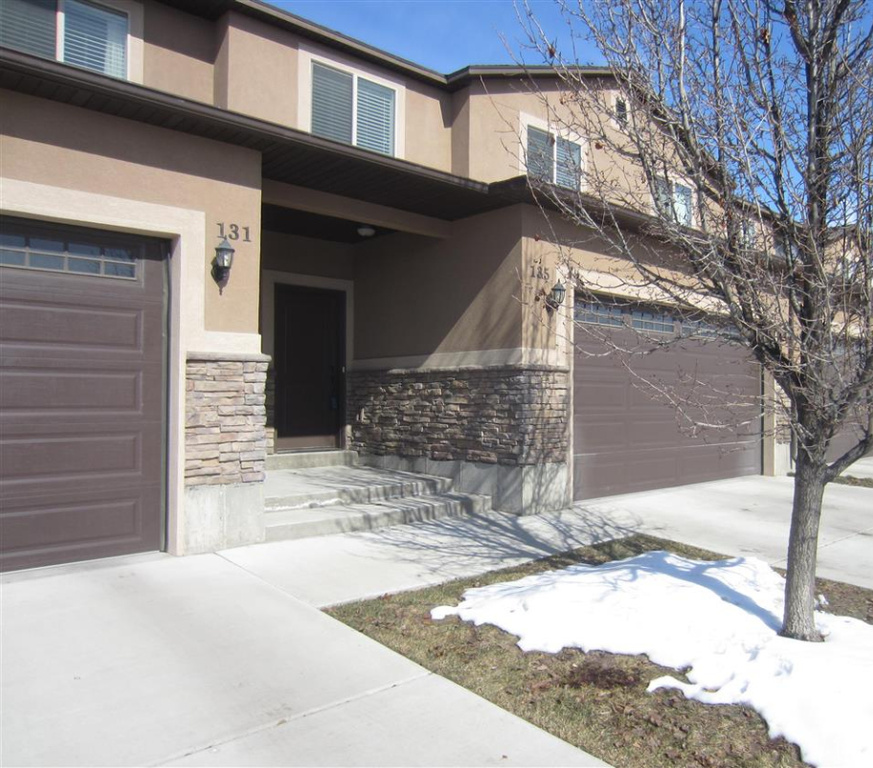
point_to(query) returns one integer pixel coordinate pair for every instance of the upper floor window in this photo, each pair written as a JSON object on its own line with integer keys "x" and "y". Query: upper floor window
{"x": 621, "y": 111}
{"x": 553, "y": 158}
{"x": 79, "y": 32}
{"x": 352, "y": 109}
{"x": 673, "y": 200}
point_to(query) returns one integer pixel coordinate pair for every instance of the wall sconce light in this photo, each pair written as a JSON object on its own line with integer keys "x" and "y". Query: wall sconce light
{"x": 222, "y": 262}
{"x": 365, "y": 230}
{"x": 555, "y": 298}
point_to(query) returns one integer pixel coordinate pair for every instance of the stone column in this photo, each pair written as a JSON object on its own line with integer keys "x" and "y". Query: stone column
{"x": 225, "y": 449}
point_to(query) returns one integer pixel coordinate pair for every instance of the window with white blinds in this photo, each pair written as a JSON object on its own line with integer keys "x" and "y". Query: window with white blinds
{"x": 29, "y": 26}
{"x": 552, "y": 159}
{"x": 568, "y": 160}
{"x": 332, "y": 113}
{"x": 352, "y": 109}
{"x": 91, "y": 35}
{"x": 95, "y": 37}
{"x": 674, "y": 201}
{"x": 375, "y": 117}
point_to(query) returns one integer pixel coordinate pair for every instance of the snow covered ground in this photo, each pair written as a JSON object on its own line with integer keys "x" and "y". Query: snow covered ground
{"x": 718, "y": 622}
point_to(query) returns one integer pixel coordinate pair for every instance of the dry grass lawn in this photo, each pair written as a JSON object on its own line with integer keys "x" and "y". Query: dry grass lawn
{"x": 597, "y": 701}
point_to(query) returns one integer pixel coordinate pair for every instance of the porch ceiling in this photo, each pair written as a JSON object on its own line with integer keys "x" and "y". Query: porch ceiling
{"x": 275, "y": 218}
{"x": 288, "y": 155}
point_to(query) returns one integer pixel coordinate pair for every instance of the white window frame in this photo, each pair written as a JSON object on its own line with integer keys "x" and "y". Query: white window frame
{"x": 307, "y": 56}
{"x": 681, "y": 181}
{"x": 527, "y": 121}
{"x": 134, "y": 44}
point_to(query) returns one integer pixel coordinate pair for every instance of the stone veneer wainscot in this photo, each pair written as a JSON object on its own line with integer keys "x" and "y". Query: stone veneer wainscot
{"x": 501, "y": 431}
{"x": 501, "y": 415}
{"x": 225, "y": 439}
{"x": 225, "y": 451}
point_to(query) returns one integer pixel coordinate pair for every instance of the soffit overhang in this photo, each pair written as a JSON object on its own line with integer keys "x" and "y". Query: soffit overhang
{"x": 288, "y": 155}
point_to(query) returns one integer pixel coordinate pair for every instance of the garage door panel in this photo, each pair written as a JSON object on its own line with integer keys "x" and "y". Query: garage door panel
{"x": 77, "y": 529}
{"x": 44, "y": 325}
{"x": 625, "y": 473}
{"x": 628, "y": 435}
{"x": 95, "y": 457}
{"x": 713, "y": 462}
{"x": 601, "y": 435}
{"x": 82, "y": 388}
{"x": 78, "y": 391}
{"x": 603, "y": 393}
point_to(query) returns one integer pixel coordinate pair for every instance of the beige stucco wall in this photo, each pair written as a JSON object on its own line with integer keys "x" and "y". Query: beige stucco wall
{"x": 179, "y": 52}
{"x": 64, "y": 146}
{"x": 258, "y": 64}
{"x": 419, "y": 297}
{"x": 428, "y": 126}
{"x": 307, "y": 256}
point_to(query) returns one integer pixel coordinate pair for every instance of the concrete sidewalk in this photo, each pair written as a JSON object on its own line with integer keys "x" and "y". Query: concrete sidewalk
{"x": 155, "y": 660}
{"x": 745, "y": 516}
{"x": 224, "y": 660}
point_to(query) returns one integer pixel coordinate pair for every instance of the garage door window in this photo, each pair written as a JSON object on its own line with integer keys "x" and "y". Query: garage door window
{"x": 599, "y": 314}
{"x": 24, "y": 251}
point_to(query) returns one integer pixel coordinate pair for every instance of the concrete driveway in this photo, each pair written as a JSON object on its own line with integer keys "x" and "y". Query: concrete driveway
{"x": 224, "y": 659}
{"x": 751, "y": 516}
{"x": 157, "y": 660}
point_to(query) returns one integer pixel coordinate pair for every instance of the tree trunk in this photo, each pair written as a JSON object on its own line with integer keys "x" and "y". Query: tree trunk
{"x": 798, "y": 622}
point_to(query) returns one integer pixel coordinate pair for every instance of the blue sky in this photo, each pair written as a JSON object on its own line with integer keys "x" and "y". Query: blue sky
{"x": 444, "y": 35}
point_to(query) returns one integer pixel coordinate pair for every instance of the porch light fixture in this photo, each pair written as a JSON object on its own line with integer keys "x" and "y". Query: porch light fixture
{"x": 222, "y": 262}
{"x": 365, "y": 230}
{"x": 555, "y": 297}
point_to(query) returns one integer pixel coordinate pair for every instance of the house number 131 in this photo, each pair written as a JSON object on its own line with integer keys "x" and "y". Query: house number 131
{"x": 234, "y": 232}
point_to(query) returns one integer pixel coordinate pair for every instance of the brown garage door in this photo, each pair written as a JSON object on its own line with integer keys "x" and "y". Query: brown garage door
{"x": 82, "y": 362}
{"x": 626, "y": 437}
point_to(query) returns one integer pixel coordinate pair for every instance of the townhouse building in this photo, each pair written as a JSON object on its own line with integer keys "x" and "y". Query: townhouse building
{"x": 227, "y": 232}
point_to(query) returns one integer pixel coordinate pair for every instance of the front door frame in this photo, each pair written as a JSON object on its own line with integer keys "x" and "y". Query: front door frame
{"x": 270, "y": 278}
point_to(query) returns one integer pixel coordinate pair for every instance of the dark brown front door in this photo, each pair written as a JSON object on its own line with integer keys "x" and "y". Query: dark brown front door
{"x": 82, "y": 383}
{"x": 310, "y": 367}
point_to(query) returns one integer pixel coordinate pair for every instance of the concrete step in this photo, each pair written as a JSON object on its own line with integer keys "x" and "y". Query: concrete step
{"x": 303, "y": 523}
{"x": 328, "y": 486}
{"x": 308, "y": 459}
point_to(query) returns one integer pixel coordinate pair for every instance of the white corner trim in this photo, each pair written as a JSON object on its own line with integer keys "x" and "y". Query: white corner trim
{"x": 307, "y": 53}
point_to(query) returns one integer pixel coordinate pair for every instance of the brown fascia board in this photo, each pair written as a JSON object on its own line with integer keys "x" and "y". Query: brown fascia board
{"x": 520, "y": 190}
{"x": 76, "y": 86}
{"x": 213, "y": 9}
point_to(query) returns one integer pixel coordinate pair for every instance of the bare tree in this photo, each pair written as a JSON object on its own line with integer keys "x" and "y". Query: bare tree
{"x": 737, "y": 135}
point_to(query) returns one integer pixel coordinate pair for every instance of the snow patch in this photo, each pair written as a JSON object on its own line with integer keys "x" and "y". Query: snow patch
{"x": 719, "y": 620}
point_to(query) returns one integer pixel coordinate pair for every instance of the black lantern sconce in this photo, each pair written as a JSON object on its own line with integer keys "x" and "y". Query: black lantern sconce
{"x": 555, "y": 297}
{"x": 222, "y": 262}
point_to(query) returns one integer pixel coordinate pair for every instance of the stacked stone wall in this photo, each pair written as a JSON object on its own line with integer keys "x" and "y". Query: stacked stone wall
{"x": 225, "y": 440}
{"x": 509, "y": 416}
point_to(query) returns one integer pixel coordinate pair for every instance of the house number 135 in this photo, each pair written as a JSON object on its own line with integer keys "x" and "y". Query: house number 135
{"x": 234, "y": 232}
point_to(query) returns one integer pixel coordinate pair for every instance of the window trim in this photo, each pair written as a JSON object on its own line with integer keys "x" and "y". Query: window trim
{"x": 134, "y": 46}
{"x": 527, "y": 121}
{"x": 673, "y": 181}
{"x": 307, "y": 56}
